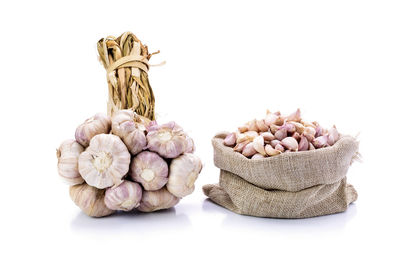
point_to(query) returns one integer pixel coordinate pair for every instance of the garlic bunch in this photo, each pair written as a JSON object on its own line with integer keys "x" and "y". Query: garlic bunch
{"x": 149, "y": 169}
{"x": 130, "y": 127}
{"x": 157, "y": 200}
{"x": 124, "y": 197}
{"x": 68, "y": 156}
{"x": 168, "y": 140}
{"x": 183, "y": 172}
{"x": 95, "y": 125}
{"x": 90, "y": 200}
{"x": 105, "y": 162}
{"x": 276, "y": 134}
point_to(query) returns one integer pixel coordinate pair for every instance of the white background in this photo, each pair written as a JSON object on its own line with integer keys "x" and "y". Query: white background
{"x": 227, "y": 62}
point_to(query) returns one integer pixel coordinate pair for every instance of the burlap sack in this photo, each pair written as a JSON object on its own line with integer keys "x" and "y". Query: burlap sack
{"x": 291, "y": 185}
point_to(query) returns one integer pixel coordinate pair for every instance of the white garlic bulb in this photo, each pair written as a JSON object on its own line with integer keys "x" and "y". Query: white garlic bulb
{"x": 157, "y": 200}
{"x": 168, "y": 140}
{"x": 90, "y": 200}
{"x": 149, "y": 169}
{"x": 105, "y": 162}
{"x": 68, "y": 155}
{"x": 183, "y": 172}
{"x": 124, "y": 197}
{"x": 130, "y": 128}
{"x": 95, "y": 125}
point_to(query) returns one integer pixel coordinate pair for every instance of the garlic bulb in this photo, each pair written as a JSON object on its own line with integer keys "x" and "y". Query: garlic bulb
{"x": 105, "y": 162}
{"x": 90, "y": 200}
{"x": 130, "y": 128}
{"x": 68, "y": 155}
{"x": 95, "y": 125}
{"x": 168, "y": 140}
{"x": 183, "y": 172}
{"x": 149, "y": 169}
{"x": 157, "y": 200}
{"x": 124, "y": 197}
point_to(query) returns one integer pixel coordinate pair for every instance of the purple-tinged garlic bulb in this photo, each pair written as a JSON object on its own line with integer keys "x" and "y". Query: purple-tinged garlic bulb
{"x": 290, "y": 143}
{"x": 150, "y": 170}
{"x": 168, "y": 140}
{"x": 125, "y": 196}
{"x": 105, "y": 162}
{"x": 98, "y": 124}
{"x": 157, "y": 200}
{"x": 68, "y": 156}
{"x": 90, "y": 200}
{"x": 130, "y": 128}
{"x": 183, "y": 172}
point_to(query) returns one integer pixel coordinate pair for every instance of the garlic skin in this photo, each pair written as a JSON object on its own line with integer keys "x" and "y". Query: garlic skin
{"x": 157, "y": 200}
{"x": 98, "y": 124}
{"x": 168, "y": 140}
{"x": 150, "y": 170}
{"x": 290, "y": 143}
{"x": 68, "y": 156}
{"x": 105, "y": 162}
{"x": 124, "y": 197}
{"x": 183, "y": 173}
{"x": 90, "y": 200}
{"x": 130, "y": 128}
{"x": 230, "y": 140}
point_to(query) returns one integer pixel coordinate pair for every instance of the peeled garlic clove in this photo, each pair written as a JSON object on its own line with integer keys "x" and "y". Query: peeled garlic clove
{"x": 279, "y": 147}
{"x": 295, "y": 116}
{"x": 68, "y": 156}
{"x": 105, "y": 162}
{"x": 290, "y": 143}
{"x": 247, "y": 136}
{"x": 168, "y": 140}
{"x": 333, "y": 135}
{"x": 271, "y": 151}
{"x": 249, "y": 150}
{"x": 258, "y": 144}
{"x": 98, "y": 124}
{"x": 239, "y": 147}
{"x": 303, "y": 144}
{"x": 157, "y": 200}
{"x": 124, "y": 197}
{"x": 230, "y": 139}
{"x": 183, "y": 172}
{"x": 274, "y": 142}
{"x": 262, "y": 125}
{"x": 273, "y": 128}
{"x": 90, "y": 200}
{"x": 149, "y": 169}
{"x": 281, "y": 134}
{"x": 309, "y": 133}
{"x": 258, "y": 156}
{"x": 321, "y": 141}
{"x": 243, "y": 128}
{"x": 268, "y": 136}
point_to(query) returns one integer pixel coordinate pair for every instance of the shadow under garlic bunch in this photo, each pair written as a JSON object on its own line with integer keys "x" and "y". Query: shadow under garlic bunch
{"x": 276, "y": 134}
{"x": 127, "y": 162}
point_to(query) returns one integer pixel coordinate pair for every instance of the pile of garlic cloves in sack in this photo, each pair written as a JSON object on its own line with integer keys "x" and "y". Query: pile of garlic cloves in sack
{"x": 276, "y": 134}
{"x": 127, "y": 162}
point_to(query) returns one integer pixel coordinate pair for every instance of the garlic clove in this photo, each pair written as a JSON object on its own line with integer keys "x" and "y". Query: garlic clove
{"x": 307, "y": 124}
{"x": 243, "y": 129}
{"x": 299, "y": 127}
{"x": 281, "y": 134}
{"x": 271, "y": 151}
{"x": 296, "y": 136}
{"x": 318, "y": 131}
{"x": 295, "y": 116}
{"x": 230, "y": 140}
{"x": 309, "y": 133}
{"x": 239, "y": 147}
{"x": 290, "y": 128}
{"x": 290, "y": 143}
{"x": 98, "y": 124}
{"x": 321, "y": 141}
{"x": 168, "y": 140}
{"x": 125, "y": 196}
{"x": 150, "y": 170}
{"x": 268, "y": 136}
{"x": 258, "y": 156}
{"x": 90, "y": 200}
{"x": 247, "y": 136}
{"x": 303, "y": 144}
{"x": 262, "y": 125}
{"x": 271, "y": 118}
{"x": 273, "y": 128}
{"x": 105, "y": 162}
{"x": 253, "y": 125}
{"x": 157, "y": 200}
{"x": 258, "y": 144}
{"x": 333, "y": 136}
{"x": 68, "y": 156}
{"x": 274, "y": 142}
{"x": 249, "y": 150}
{"x": 311, "y": 147}
{"x": 279, "y": 147}
{"x": 183, "y": 173}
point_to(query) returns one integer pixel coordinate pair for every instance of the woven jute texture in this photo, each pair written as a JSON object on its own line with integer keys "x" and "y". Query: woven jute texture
{"x": 291, "y": 185}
